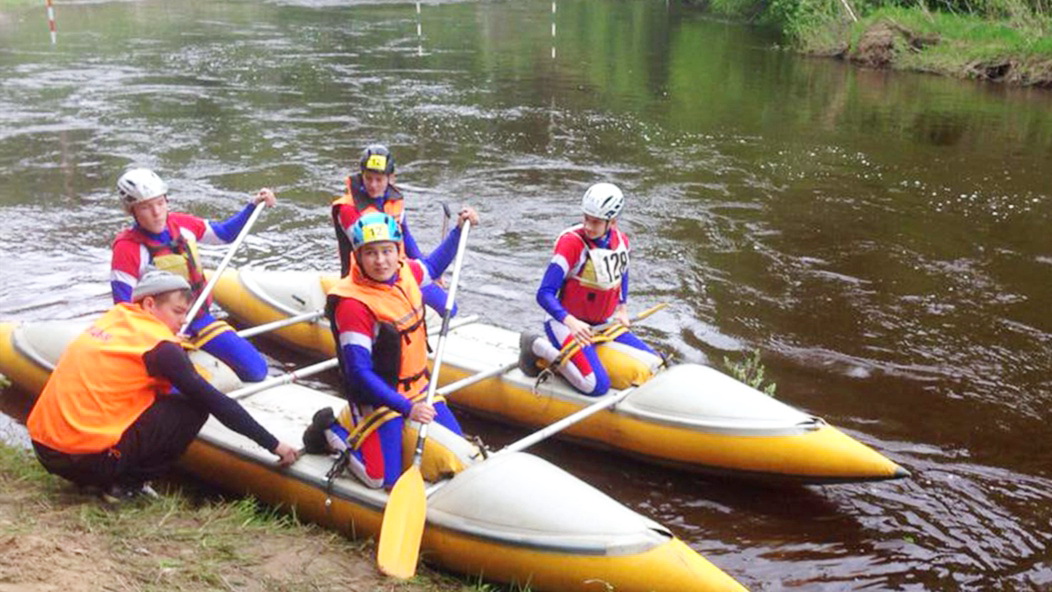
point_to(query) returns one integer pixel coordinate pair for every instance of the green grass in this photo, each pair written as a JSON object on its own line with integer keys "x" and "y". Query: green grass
{"x": 973, "y": 34}
{"x": 1009, "y": 40}
{"x": 18, "y": 466}
{"x": 178, "y": 542}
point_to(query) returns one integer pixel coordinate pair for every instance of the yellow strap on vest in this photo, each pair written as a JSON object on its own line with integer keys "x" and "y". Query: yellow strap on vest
{"x": 377, "y": 418}
{"x": 210, "y": 332}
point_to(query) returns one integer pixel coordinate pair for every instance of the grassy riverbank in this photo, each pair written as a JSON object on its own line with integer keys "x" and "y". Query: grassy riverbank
{"x": 54, "y": 538}
{"x": 1000, "y": 40}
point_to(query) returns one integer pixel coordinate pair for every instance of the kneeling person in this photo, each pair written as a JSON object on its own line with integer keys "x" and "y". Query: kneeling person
{"x": 586, "y": 285}
{"x": 107, "y": 417}
{"x": 377, "y": 317}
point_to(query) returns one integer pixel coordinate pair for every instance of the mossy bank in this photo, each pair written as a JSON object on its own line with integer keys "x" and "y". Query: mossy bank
{"x": 1008, "y": 41}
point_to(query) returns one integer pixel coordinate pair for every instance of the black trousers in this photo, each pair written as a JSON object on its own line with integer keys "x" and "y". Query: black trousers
{"x": 146, "y": 450}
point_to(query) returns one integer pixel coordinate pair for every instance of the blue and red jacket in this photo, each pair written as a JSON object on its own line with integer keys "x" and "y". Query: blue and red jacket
{"x": 586, "y": 278}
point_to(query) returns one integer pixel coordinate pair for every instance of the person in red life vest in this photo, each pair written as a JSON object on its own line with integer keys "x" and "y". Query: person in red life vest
{"x": 586, "y": 284}
{"x": 107, "y": 417}
{"x": 168, "y": 241}
{"x": 377, "y": 315}
{"x": 372, "y": 189}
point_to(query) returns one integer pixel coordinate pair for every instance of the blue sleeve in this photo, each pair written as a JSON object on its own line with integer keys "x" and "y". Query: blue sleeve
{"x": 122, "y": 292}
{"x": 624, "y": 287}
{"x": 443, "y": 255}
{"x": 358, "y": 365}
{"x": 228, "y": 229}
{"x": 412, "y": 250}
{"x": 548, "y": 292}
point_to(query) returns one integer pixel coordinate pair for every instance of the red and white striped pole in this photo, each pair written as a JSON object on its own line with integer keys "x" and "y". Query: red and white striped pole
{"x": 51, "y": 21}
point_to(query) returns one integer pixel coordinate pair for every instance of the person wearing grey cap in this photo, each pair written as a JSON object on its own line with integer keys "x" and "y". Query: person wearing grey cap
{"x": 108, "y": 416}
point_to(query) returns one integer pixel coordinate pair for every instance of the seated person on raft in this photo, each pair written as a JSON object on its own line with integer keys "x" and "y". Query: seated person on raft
{"x": 168, "y": 240}
{"x": 107, "y": 417}
{"x": 372, "y": 189}
{"x": 377, "y": 316}
{"x": 586, "y": 285}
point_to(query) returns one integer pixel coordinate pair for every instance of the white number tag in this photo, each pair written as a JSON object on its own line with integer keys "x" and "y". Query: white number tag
{"x": 609, "y": 266}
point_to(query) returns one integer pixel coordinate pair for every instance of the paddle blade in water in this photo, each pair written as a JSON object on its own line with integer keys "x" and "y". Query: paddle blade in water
{"x": 403, "y": 526}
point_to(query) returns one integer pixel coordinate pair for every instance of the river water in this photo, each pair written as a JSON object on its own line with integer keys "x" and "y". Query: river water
{"x": 881, "y": 238}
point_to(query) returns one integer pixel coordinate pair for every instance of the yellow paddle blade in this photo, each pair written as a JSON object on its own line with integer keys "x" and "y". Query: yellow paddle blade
{"x": 403, "y": 526}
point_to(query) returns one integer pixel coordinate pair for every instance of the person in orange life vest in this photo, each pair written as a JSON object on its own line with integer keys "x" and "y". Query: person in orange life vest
{"x": 106, "y": 417}
{"x": 168, "y": 240}
{"x": 377, "y": 317}
{"x": 372, "y": 189}
{"x": 586, "y": 284}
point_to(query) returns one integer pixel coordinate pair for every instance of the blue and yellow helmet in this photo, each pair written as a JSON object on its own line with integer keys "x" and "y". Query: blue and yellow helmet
{"x": 374, "y": 228}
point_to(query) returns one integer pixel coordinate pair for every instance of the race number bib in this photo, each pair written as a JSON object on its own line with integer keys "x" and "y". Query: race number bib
{"x": 607, "y": 267}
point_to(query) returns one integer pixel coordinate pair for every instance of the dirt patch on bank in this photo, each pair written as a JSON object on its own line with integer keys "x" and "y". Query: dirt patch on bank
{"x": 1024, "y": 72}
{"x": 56, "y": 539}
{"x": 888, "y": 44}
{"x": 880, "y": 44}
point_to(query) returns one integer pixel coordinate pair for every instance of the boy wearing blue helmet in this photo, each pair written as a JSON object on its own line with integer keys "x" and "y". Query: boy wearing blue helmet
{"x": 377, "y": 316}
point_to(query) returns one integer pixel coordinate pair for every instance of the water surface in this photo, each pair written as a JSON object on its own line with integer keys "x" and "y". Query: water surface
{"x": 880, "y": 238}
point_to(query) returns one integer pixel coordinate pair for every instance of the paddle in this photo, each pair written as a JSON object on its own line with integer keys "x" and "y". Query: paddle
{"x": 300, "y": 318}
{"x": 203, "y": 296}
{"x": 403, "y": 522}
{"x": 332, "y": 363}
{"x": 319, "y": 367}
{"x": 552, "y": 429}
{"x": 283, "y": 379}
{"x": 569, "y": 420}
{"x": 475, "y": 378}
{"x": 446, "y": 215}
{"x": 606, "y": 334}
{"x": 316, "y": 314}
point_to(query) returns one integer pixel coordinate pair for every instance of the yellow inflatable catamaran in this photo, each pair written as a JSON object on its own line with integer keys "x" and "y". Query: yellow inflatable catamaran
{"x": 510, "y": 518}
{"x": 688, "y": 416}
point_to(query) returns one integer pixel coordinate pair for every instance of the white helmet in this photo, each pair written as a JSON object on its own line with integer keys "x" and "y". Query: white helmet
{"x": 603, "y": 200}
{"x": 138, "y": 185}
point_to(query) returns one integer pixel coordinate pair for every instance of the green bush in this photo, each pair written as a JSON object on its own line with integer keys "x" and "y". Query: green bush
{"x": 750, "y": 370}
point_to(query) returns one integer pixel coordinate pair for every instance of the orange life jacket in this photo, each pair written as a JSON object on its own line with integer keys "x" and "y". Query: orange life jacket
{"x": 100, "y": 385}
{"x": 360, "y": 204}
{"x": 400, "y": 350}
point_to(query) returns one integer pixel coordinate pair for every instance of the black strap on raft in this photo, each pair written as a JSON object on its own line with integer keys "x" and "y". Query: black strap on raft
{"x": 338, "y": 467}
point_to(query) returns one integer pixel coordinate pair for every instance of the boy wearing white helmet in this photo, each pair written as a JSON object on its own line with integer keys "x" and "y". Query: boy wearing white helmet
{"x": 168, "y": 241}
{"x": 586, "y": 284}
{"x": 106, "y": 417}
